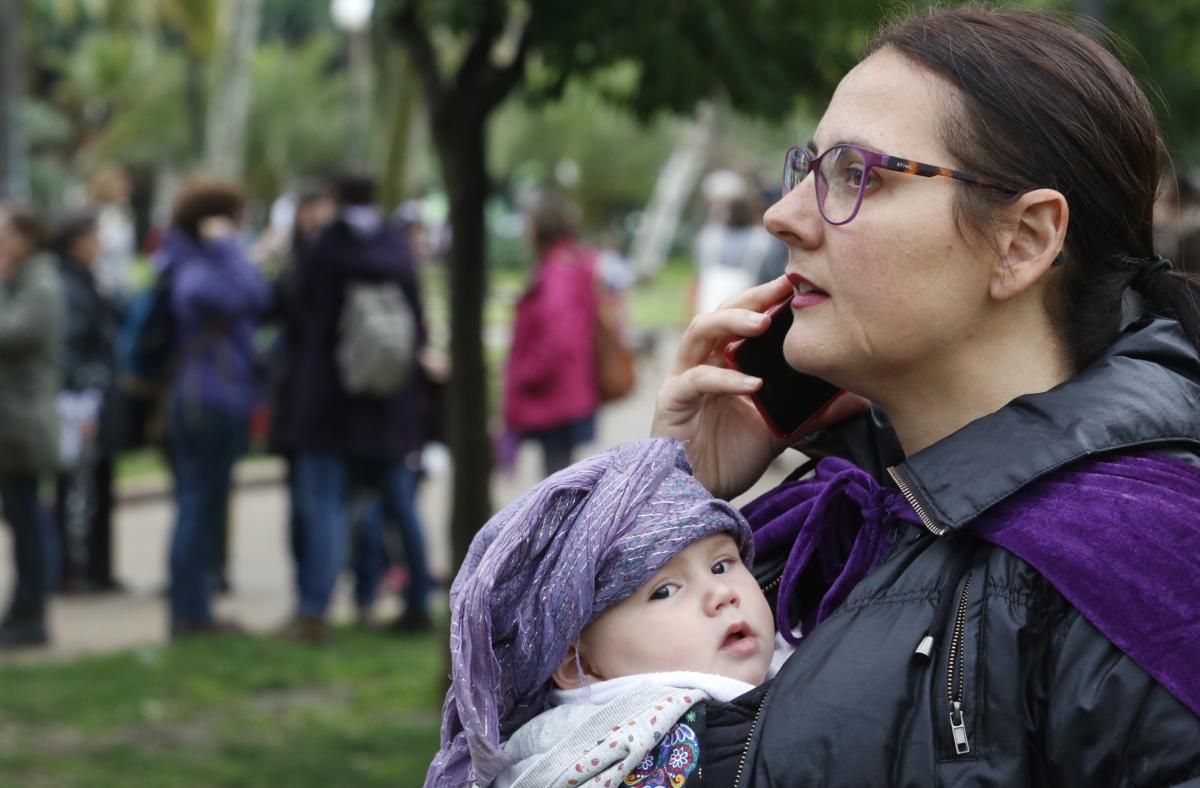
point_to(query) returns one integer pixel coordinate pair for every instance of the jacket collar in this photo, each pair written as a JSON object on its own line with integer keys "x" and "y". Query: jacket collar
{"x": 1144, "y": 391}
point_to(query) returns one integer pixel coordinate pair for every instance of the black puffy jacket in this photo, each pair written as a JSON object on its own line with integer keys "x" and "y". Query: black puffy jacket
{"x": 1046, "y": 700}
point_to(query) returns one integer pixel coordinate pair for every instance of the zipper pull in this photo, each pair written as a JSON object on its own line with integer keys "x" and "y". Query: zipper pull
{"x": 925, "y": 647}
{"x": 958, "y": 730}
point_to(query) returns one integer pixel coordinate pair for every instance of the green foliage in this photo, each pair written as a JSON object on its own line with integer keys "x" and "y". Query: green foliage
{"x": 297, "y": 120}
{"x": 1166, "y": 58}
{"x": 618, "y": 159}
{"x": 125, "y": 94}
{"x": 757, "y": 54}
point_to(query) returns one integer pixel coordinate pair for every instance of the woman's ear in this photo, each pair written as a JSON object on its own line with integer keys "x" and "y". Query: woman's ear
{"x": 568, "y": 674}
{"x": 1036, "y": 232}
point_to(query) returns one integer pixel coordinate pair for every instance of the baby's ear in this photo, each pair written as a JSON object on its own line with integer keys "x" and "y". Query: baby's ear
{"x": 568, "y": 674}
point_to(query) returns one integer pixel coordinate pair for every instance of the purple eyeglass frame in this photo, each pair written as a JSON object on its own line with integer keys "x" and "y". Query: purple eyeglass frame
{"x": 872, "y": 159}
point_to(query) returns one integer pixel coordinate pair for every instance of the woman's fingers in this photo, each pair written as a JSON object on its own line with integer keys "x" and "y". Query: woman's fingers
{"x": 709, "y": 332}
{"x": 680, "y": 395}
{"x": 761, "y": 297}
{"x": 741, "y": 316}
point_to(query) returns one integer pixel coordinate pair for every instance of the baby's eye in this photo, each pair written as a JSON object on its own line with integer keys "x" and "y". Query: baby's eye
{"x": 722, "y": 566}
{"x": 664, "y": 591}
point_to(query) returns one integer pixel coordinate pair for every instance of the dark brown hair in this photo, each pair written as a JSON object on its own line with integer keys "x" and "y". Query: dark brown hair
{"x": 551, "y": 220}
{"x": 743, "y": 212}
{"x": 204, "y": 198}
{"x": 28, "y": 224}
{"x": 69, "y": 229}
{"x": 1042, "y": 105}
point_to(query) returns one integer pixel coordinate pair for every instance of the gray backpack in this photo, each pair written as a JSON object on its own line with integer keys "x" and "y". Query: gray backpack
{"x": 377, "y": 344}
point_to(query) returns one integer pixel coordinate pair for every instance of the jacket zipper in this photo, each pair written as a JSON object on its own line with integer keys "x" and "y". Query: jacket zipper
{"x": 955, "y": 670}
{"x": 737, "y": 780}
{"x": 771, "y": 586}
{"x": 906, "y": 488}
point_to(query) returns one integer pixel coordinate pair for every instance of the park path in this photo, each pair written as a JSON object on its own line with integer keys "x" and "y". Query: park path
{"x": 260, "y": 569}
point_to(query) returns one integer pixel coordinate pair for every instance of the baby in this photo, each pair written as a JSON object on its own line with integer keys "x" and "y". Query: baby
{"x": 589, "y": 616}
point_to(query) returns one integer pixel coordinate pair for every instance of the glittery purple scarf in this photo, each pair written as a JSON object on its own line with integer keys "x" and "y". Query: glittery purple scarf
{"x": 1119, "y": 537}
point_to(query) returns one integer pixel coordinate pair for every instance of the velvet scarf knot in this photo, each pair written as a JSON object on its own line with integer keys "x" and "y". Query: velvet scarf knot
{"x": 841, "y": 517}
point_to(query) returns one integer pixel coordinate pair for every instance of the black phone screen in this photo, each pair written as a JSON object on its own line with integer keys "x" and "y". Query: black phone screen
{"x": 787, "y": 398}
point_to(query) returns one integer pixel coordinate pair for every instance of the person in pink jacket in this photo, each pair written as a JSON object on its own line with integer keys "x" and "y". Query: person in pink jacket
{"x": 550, "y": 379}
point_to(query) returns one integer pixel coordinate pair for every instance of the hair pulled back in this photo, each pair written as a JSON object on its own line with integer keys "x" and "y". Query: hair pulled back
{"x": 1042, "y": 105}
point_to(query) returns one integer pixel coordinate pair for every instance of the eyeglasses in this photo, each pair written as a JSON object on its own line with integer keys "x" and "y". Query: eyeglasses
{"x": 844, "y": 171}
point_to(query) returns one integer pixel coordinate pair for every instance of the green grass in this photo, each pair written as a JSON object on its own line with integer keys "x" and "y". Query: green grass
{"x": 661, "y": 304}
{"x": 227, "y": 712}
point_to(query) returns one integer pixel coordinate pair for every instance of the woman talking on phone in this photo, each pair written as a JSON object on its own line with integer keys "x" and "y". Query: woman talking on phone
{"x": 993, "y": 576}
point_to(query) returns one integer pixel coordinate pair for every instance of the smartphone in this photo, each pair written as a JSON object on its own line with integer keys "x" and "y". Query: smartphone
{"x": 787, "y": 400}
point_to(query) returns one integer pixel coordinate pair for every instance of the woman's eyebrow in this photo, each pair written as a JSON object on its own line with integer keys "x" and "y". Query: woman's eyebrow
{"x": 856, "y": 141}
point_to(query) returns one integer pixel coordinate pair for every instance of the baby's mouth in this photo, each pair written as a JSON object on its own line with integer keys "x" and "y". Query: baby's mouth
{"x": 735, "y": 635}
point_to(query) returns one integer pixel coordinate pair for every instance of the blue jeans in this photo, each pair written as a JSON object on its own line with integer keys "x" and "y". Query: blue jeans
{"x": 19, "y": 500}
{"x": 323, "y": 481}
{"x": 370, "y": 551}
{"x": 205, "y": 444}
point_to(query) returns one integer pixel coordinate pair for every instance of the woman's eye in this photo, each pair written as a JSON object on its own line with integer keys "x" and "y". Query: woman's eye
{"x": 664, "y": 591}
{"x": 854, "y": 176}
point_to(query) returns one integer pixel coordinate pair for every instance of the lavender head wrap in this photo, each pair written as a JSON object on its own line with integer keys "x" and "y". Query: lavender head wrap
{"x": 539, "y": 571}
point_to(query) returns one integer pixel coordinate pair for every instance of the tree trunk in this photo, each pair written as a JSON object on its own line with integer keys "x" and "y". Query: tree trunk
{"x": 399, "y": 142}
{"x": 463, "y": 159}
{"x": 14, "y": 178}
{"x": 193, "y": 98}
{"x": 233, "y": 84}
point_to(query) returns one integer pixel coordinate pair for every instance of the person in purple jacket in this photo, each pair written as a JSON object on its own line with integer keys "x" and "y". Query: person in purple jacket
{"x": 216, "y": 296}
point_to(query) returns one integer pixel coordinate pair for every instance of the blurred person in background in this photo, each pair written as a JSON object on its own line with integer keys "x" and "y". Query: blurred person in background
{"x": 550, "y": 387}
{"x": 30, "y": 321}
{"x": 109, "y": 190}
{"x": 312, "y": 211}
{"x": 216, "y": 297}
{"x": 347, "y": 436}
{"x": 733, "y": 250}
{"x": 84, "y": 495}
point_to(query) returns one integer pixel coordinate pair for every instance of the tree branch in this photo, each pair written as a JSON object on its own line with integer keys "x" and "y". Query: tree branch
{"x": 415, "y": 40}
{"x": 475, "y": 65}
{"x": 501, "y": 81}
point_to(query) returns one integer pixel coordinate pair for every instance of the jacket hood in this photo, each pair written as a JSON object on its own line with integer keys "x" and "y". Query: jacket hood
{"x": 1144, "y": 391}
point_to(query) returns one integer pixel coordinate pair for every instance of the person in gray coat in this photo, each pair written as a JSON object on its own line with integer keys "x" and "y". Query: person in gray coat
{"x": 30, "y": 319}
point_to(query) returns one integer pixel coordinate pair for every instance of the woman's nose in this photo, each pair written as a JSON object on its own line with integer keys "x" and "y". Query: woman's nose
{"x": 794, "y": 218}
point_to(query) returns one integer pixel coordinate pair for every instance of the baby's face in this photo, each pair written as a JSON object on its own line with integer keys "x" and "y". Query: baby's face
{"x": 703, "y": 612}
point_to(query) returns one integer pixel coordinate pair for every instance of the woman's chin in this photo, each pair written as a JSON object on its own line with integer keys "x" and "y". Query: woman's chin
{"x": 803, "y": 357}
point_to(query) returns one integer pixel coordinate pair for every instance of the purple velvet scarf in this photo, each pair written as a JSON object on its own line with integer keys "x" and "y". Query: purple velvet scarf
{"x": 1119, "y": 537}
{"x": 840, "y": 516}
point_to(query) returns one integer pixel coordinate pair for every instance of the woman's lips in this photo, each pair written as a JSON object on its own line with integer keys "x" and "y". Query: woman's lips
{"x": 807, "y": 294}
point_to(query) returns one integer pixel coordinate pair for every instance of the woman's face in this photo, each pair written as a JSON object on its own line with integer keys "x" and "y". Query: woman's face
{"x": 902, "y": 289}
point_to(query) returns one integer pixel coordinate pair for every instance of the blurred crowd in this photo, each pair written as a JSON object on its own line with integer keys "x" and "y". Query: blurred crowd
{"x": 93, "y": 363}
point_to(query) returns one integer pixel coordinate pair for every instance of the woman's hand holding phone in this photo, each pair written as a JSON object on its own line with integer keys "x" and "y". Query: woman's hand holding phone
{"x": 722, "y": 413}
{"x": 705, "y": 404}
